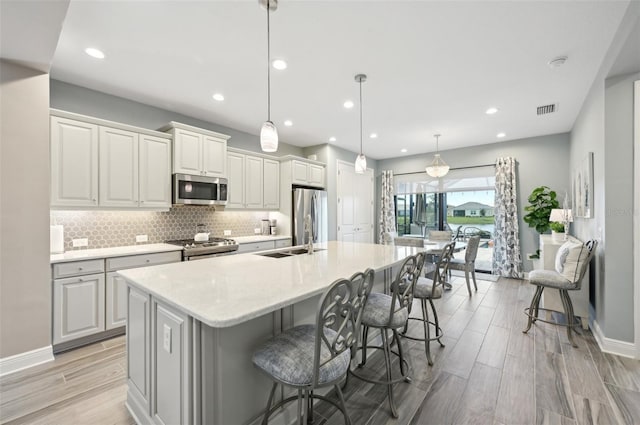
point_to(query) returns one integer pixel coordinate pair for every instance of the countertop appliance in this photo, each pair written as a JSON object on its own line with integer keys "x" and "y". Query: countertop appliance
{"x": 214, "y": 247}
{"x": 309, "y": 202}
{"x": 199, "y": 190}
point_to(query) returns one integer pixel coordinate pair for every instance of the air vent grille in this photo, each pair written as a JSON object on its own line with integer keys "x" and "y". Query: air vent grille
{"x": 547, "y": 109}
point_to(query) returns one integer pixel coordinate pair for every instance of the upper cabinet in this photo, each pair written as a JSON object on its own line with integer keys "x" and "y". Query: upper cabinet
{"x": 197, "y": 151}
{"x": 102, "y": 164}
{"x": 304, "y": 172}
{"x": 254, "y": 181}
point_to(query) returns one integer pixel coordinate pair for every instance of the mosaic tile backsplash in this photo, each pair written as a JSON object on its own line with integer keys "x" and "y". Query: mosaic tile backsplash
{"x": 106, "y": 229}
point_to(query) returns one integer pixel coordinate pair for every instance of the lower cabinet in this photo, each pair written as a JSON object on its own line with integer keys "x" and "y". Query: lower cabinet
{"x": 116, "y": 302}
{"x": 263, "y": 245}
{"x": 78, "y": 307}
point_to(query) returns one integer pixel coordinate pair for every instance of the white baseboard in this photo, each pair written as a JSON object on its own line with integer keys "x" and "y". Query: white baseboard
{"x": 25, "y": 360}
{"x": 613, "y": 346}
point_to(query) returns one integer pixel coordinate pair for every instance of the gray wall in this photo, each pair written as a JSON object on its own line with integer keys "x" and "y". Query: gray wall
{"x": 81, "y": 100}
{"x": 540, "y": 161}
{"x": 25, "y": 282}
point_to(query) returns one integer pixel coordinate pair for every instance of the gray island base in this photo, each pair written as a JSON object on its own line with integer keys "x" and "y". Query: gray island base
{"x": 192, "y": 327}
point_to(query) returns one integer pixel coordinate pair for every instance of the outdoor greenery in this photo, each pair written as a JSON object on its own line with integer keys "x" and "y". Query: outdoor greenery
{"x": 470, "y": 220}
{"x": 541, "y": 201}
{"x": 557, "y": 227}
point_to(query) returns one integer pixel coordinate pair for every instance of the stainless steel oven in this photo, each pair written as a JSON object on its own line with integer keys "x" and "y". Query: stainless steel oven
{"x": 199, "y": 190}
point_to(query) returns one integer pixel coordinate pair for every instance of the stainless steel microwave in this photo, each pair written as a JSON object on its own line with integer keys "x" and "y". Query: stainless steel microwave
{"x": 199, "y": 190}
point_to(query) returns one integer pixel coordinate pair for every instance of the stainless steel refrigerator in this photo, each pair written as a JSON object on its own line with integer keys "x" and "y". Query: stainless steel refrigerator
{"x": 310, "y": 202}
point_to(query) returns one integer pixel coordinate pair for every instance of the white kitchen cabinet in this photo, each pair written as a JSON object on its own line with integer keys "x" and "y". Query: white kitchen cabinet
{"x": 116, "y": 301}
{"x": 197, "y": 151}
{"x": 255, "y": 246}
{"x": 102, "y": 164}
{"x": 138, "y": 348}
{"x": 118, "y": 168}
{"x": 74, "y": 163}
{"x": 306, "y": 173}
{"x": 78, "y": 307}
{"x": 155, "y": 172}
{"x": 316, "y": 175}
{"x": 254, "y": 181}
{"x": 271, "y": 184}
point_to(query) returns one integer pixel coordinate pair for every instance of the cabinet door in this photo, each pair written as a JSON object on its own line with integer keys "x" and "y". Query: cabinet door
{"x": 155, "y": 172}
{"x": 116, "y": 306}
{"x": 316, "y": 175}
{"x": 253, "y": 182}
{"x": 138, "y": 346}
{"x": 235, "y": 190}
{"x": 299, "y": 172}
{"x": 78, "y": 307}
{"x": 271, "y": 184}
{"x": 118, "y": 168}
{"x": 214, "y": 156}
{"x": 187, "y": 152}
{"x": 74, "y": 163}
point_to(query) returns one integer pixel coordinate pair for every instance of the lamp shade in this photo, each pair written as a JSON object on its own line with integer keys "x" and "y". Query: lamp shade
{"x": 437, "y": 168}
{"x": 560, "y": 215}
{"x": 361, "y": 164}
{"x": 269, "y": 137}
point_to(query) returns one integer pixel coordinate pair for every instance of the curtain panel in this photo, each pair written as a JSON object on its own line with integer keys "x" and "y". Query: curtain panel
{"x": 387, "y": 228}
{"x": 507, "y": 260}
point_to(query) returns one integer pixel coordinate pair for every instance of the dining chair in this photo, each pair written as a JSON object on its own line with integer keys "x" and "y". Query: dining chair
{"x": 318, "y": 355}
{"x": 440, "y": 235}
{"x": 389, "y": 313}
{"x": 468, "y": 265}
{"x": 572, "y": 260}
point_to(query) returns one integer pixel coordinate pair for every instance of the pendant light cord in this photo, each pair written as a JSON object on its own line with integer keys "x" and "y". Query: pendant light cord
{"x": 360, "y": 82}
{"x": 268, "y": 66}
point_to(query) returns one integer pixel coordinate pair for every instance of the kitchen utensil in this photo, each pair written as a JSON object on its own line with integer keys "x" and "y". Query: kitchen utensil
{"x": 265, "y": 227}
{"x": 201, "y": 234}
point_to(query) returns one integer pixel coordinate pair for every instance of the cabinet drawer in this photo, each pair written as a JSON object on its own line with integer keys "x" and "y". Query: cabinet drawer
{"x": 282, "y": 243}
{"x": 256, "y": 246}
{"x": 131, "y": 261}
{"x": 77, "y": 268}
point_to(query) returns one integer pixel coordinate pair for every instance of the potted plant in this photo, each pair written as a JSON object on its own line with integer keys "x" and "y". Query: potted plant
{"x": 541, "y": 201}
{"x": 557, "y": 231}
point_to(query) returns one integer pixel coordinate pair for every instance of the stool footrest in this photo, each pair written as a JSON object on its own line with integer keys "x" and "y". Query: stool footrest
{"x": 439, "y": 333}
{"x": 576, "y": 323}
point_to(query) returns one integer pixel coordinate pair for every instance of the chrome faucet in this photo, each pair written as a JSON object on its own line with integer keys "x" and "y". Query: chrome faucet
{"x": 308, "y": 232}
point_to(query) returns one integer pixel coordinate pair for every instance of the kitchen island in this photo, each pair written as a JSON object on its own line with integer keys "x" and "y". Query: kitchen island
{"x": 192, "y": 327}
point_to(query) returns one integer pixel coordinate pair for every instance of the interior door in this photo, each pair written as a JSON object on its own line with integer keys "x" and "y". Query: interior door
{"x": 363, "y": 197}
{"x": 355, "y": 204}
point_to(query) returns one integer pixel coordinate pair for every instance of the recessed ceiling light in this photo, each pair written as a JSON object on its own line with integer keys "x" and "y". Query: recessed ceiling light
{"x": 348, "y": 104}
{"x": 332, "y": 139}
{"x": 373, "y": 135}
{"x": 557, "y": 62}
{"x": 500, "y": 135}
{"x": 219, "y": 97}
{"x": 279, "y": 64}
{"x": 403, "y": 150}
{"x": 491, "y": 111}
{"x": 288, "y": 123}
{"x": 94, "y": 53}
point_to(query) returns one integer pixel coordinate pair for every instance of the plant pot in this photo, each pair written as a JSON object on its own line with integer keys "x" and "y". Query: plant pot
{"x": 557, "y": 236}
{"x": 537, "y": 265}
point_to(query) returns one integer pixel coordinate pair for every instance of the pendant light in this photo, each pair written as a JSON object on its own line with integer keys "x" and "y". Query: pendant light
{"x": 269, "y": 132}
{"x": 361, "y": 160}
{"x": 437, "y": 168}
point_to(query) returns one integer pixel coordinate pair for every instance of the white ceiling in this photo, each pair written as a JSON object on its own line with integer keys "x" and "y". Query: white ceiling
{"x": 433, "y": 67}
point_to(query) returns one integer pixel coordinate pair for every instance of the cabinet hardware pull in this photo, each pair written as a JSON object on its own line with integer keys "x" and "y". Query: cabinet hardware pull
{"x": 79, "y": 268}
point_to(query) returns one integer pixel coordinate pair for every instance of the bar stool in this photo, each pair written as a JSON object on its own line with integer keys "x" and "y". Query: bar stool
{"x": 390, "y": 312}
{"x": 307, "y": 357}
{"x": 427, "y": 290}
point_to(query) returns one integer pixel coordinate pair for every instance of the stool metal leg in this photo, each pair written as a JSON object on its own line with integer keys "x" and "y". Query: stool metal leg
{"x": 365, "y": 337}
{"x": 568, "y": 311}
{"x": 427, "y": 332}
{"x": 387, "y": 360}
{"x": 403, "y": 371}
{"x": 533, "y": 308}
{"x": 265, "y": 420}
{"x": 343, "y": 407}
{"x": 436, "y": 322}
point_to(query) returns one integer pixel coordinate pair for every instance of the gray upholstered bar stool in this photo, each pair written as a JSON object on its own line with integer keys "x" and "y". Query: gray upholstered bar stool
{"x": 572, "y": 260}
{"x": 390, "y": 313}
{"x": 468, "y": 265}
{"x": 427, "y": 289}
{"x": 307, "y": 357}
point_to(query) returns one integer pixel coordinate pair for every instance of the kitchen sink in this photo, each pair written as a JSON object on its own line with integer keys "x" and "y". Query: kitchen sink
{"x": 287, "y": 253}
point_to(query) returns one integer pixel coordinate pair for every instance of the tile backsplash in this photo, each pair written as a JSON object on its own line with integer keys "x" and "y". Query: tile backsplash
{"x": 106, "y": 229}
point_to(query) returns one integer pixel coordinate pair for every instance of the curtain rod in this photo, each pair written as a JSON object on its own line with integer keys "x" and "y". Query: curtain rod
{"x": 459, "y": 168}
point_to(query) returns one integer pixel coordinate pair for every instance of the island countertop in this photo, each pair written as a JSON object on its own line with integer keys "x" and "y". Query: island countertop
{"x": 228, "y": 290}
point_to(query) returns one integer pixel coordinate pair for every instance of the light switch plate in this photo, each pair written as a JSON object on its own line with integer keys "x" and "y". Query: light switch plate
{"x": 227, "y": 232}
{"x": 142, "y": 238}
{"x": 78, "y": 243}
{"x": 166, "y": 344}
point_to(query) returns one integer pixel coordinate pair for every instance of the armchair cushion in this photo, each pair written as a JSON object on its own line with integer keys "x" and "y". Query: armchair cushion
{"x": 571, "y": 259}
{"x": 550, "y": 279}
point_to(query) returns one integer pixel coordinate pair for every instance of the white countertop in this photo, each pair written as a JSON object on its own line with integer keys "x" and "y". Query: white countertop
{"x": 224, "y": 291}
{"x": 257, "y": 238}
{"x": 118, "y": 251}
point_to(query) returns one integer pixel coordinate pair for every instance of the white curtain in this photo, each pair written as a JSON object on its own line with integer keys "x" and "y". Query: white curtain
{"x": 387, "y": 210}
{"x": 507, "y": 260}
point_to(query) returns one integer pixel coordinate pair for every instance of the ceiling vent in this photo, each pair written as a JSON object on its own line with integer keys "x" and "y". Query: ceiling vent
{"x": 547, "y": 109}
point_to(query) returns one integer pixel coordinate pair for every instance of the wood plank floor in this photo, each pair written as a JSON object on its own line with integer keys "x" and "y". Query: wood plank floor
{"x": 489, "y": 372}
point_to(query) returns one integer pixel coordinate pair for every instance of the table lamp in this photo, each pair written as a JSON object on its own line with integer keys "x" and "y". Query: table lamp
{"x": 563, "y": 216}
